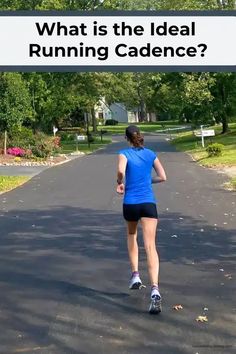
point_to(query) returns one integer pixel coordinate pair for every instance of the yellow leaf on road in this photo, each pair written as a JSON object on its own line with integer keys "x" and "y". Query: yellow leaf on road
{"x": 177, "y": 307}
{"x": 202, "y": 319}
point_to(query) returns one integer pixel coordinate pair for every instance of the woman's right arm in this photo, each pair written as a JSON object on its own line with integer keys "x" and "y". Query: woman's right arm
{"x": 122, "y": 162}
{"x": 161, "y": 175}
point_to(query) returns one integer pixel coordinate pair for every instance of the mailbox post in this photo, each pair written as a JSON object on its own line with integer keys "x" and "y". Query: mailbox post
{"x": 77, "y": 139}
{"x": 102, "y": 132}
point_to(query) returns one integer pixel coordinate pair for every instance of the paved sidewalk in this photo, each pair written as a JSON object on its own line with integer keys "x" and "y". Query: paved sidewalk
{"x": 21, "y": 170}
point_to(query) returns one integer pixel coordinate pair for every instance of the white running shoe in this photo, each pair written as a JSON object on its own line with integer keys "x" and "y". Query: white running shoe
{"x": 155, "y": 305}
{"x": 136, "y": 283}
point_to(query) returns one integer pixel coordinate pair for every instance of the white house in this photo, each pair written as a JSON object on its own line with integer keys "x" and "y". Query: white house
{"x": 119, "y": 112}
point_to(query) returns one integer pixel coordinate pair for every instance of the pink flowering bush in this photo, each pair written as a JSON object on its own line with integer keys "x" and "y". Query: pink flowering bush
{"x": 16, "y": 151}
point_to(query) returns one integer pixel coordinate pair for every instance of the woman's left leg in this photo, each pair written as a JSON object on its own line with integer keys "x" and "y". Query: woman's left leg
{"x": 132, "y": 244}
{"x": 135, "y": 281}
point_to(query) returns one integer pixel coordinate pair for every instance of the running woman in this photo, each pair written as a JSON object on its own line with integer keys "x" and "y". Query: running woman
{"x": 135, "y": 168}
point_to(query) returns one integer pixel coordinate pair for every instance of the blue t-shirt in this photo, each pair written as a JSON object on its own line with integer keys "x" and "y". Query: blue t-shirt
{"x": 138, "y": 175}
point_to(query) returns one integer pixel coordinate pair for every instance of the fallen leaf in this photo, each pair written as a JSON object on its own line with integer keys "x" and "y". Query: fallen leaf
{"x": 228, "y": 276}
{"x": 177, "y": 307}
{"x": 202, "y": 319}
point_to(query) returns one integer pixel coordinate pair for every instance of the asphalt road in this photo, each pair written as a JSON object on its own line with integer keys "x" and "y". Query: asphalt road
{"x": 64, "y": 268}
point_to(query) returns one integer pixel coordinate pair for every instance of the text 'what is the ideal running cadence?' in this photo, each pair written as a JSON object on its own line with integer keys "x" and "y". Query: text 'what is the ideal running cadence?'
{"x": 116, "y": 41}
{"x": 121, "y": 50}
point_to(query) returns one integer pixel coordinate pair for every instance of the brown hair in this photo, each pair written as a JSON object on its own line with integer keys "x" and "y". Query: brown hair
{"x": 136, "y": 139}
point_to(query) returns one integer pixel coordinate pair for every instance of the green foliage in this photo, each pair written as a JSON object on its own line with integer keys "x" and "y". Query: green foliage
{"x": 49, "y": 4}
{"x": 168, "y": 4}
{"x": 14, "y": 100}
{"x": 22, "y": 137}
{"x": 214, "y": 149}
{"x": 116, "y": 4}
{"x": 66, "y": 136}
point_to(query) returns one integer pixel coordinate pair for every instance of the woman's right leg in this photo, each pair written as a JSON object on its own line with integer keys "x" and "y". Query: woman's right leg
{"x": 149, "y": 226}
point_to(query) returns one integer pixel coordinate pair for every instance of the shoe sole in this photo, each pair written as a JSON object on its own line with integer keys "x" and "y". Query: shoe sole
{"x": 137, "y": 286}
{"x": 155, "y": 309}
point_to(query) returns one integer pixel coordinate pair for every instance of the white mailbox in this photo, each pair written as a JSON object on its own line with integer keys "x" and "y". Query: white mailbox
{"x": 209, "y": 132}
{"x": 80, "y": 137}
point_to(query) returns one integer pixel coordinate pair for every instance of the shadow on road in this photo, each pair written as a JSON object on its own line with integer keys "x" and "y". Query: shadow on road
{"x": 64, "y": 275}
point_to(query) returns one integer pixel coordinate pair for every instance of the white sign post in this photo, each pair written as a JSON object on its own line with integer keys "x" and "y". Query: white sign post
{"x": 203, "y": 143}
{"x": 204, "y": 133}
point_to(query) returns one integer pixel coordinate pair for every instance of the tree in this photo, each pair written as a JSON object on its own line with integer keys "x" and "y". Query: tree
{"x": 224, "y": 98}
{"x": 168, "y": 4}
{"x": 15, "y": 102}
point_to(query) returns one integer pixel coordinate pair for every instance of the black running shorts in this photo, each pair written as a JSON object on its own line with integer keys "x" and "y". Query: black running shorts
{"x": 134, "y": 212}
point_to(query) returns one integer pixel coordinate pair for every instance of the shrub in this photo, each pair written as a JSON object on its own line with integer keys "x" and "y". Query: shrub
{"x": 214, "y": 149}
{"x": 111, "y": 122}
{"x": 56, "y": 142}
{"x": 22, "y": 137}
{"x": 28, "y": 153}
{"x": 45, "y": 145}
{"x": 66, "y": 136}
{"x": 16, "y": 151}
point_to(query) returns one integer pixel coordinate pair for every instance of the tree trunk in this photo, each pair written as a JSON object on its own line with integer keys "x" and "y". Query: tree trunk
{"x": 225, "y": 124}
{"x": 94, "y": 120}
{"x": 5, "y": 142}
{"x": 142, "y": 110}
{"x": 224, "y": 119}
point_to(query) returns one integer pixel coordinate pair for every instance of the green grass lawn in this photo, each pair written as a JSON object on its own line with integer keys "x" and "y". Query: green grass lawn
{"x": 10, "y": 182}
{"x": 70, "y": 146}
{"x": 191, "y": 144}
{"x": 144, "y": 127}
{"x": 233, "y": 183}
